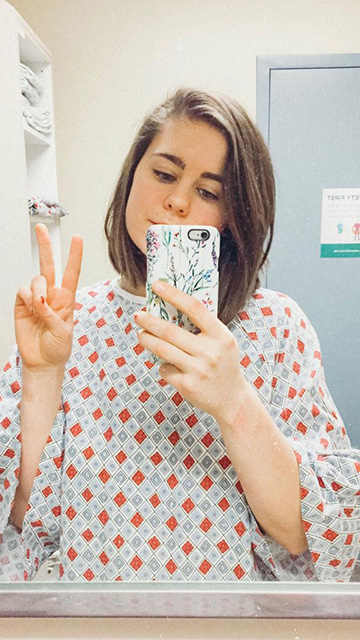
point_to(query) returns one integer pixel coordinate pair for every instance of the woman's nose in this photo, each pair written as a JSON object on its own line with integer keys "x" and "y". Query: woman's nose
{"x": 177, "y": 203}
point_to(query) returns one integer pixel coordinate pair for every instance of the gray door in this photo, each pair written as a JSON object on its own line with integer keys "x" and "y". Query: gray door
{"x": 309, "y": 114}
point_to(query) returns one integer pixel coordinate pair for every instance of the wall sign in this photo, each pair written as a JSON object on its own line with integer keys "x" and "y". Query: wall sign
{"x": 340, "y": 223}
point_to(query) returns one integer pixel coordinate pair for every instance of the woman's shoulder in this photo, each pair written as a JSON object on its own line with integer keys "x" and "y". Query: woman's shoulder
{"x": 271, "y": 304}
{"x": 281, "y": 314}
{"x": 272, "y": 321}
{"x": 268, "y": 311}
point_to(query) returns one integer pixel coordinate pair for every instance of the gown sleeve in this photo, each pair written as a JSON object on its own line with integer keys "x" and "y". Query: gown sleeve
{"x": 329, "y": 468}
{"x": 23, "y": 552}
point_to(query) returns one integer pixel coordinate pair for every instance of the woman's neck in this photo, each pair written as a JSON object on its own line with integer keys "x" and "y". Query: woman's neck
{"x": 140, "y": 290}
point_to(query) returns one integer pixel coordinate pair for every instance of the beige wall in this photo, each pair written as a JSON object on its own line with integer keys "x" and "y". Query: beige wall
{"x": 178, "y": 629}
{"x": 112, "y": 61}
{"x": 115, "y": 59}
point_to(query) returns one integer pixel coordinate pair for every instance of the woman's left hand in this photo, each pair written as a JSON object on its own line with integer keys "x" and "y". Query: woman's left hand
{"x": 205, "y": 368}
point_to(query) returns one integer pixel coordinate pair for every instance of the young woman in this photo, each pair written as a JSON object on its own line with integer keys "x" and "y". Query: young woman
{"x": 228, "y": 463}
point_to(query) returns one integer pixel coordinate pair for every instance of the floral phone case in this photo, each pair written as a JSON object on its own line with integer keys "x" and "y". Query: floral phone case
{"x": 188, "y": 264}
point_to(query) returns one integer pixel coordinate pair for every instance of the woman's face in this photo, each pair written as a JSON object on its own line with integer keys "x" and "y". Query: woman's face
{"x": 178, "y": 180}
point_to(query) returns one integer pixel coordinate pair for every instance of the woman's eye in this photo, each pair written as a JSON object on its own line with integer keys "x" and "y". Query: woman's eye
{"x": 164, "y": 177}
{"x": 207, "y": 195}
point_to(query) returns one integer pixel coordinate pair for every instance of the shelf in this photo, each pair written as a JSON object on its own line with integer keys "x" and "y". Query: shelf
{"x": 36, "y": 219}
{"x": 40, "y": 148}
{"x": 34, "y": 54}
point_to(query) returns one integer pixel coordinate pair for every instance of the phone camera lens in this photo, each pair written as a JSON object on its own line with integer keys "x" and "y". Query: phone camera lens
{"x": 204, "y": 235}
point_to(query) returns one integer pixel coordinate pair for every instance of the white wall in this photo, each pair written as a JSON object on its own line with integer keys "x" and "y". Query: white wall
{"x": 112, "y": 61}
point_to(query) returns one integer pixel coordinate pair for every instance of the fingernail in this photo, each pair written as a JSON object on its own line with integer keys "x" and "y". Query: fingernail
{"x": 42, "y": 300}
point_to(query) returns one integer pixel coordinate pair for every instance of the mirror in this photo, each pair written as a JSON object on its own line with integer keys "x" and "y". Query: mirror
{"x": 160, "y": 500}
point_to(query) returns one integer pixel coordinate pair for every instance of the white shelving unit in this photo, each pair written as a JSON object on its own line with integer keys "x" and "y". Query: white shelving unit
{"x": 39, "y": 148}
{"x": 27, "y": 167}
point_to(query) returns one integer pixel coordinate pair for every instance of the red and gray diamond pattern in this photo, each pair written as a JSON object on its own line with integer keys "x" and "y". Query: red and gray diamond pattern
{"x": 136, "y": 484}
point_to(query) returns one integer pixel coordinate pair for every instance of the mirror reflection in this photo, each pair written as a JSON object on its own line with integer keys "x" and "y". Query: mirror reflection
{"x": 172, "y": 422}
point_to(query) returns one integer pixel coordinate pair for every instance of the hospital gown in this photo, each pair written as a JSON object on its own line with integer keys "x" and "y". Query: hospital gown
{"x": 135, "y": 483}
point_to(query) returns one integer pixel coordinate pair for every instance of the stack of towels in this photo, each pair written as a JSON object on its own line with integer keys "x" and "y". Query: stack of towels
{"x": 31, "y": 88}
{"x": 45, "y": 207}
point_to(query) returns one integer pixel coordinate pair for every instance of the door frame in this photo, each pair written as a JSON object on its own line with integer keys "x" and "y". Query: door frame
{"x": 266, "y": 64}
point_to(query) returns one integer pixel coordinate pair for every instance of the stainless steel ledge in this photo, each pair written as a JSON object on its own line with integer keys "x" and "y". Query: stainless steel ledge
{"x": 190, "y": 600}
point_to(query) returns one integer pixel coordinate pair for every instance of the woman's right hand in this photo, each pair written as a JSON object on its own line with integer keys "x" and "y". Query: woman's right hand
{"x": 44, "y": 330}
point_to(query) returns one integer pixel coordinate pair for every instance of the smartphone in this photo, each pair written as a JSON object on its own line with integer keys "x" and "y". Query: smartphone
{"x": 187, "y": 257}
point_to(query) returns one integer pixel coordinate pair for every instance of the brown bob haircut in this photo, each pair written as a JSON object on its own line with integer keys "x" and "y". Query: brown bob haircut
{"x": 248, "y": 196}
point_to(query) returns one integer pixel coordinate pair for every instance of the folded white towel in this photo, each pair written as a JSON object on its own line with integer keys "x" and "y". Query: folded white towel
{"x": 35, "y": 112}
{"x": 33, "y": 79}
{"x": 29, "y": 91}
{"x": 39, "y": 120}
{"x": 37, "y": 127}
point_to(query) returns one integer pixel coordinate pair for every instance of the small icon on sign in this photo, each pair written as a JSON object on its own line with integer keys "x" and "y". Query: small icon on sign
{"x": 356, "y": 230}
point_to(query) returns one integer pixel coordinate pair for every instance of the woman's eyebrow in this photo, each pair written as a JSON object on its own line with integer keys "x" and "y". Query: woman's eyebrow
{"x": 212, "y": 176}
{"x": 175, "y": 159}
{"x": 180, "y": 163}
